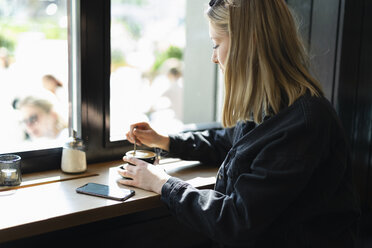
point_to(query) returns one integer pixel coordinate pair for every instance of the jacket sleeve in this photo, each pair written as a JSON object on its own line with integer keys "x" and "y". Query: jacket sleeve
{"x": 263, "y": 188}
{"x": 210, "y": 146}
{"x": 238, "y": 218}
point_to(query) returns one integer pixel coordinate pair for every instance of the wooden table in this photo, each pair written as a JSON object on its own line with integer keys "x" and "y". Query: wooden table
{"x": 48, "y": 201}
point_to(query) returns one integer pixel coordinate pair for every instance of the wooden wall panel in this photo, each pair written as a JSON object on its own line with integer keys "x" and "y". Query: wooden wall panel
{"x": 339, "y": 33}
{"x": 363, "y": 127}
{"x": 320, "y": 23}
{"x": 354, "y": 92}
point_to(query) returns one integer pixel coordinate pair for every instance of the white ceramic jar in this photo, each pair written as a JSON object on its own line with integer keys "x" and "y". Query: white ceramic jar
{"x": 73, "y": 156}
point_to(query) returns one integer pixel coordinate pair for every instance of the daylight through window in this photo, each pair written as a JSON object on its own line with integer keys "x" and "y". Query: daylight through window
{"x": 33, "y": 74}
{"x": 158, "y": 73}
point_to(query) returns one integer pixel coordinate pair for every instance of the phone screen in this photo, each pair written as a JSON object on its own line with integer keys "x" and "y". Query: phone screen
{"x": 105, "y": 191}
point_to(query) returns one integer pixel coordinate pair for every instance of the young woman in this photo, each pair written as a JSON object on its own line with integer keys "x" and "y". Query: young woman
{"x": 285, "y": 175}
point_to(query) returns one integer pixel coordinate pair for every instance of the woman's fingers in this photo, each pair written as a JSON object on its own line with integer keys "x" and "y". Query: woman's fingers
{"x": 128, "y": 175}
{"x": 127, "y": 182}
{"x": 135, "y": 133}
{"x": 127, "y": 168}
{"x": 132, "y": 162}
{"x": 143, "y": 175}
{"x": 130, "y": 171}
{"x": 129, "y": 137}
{"x": 140, "y": 134}
{"x": 141, "y": 125}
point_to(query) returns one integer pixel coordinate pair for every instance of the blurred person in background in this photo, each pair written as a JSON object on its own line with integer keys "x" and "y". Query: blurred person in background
{"x": 4, "y": 58}
{"x": 41, "y": 119}
{"x": 167, "y": 92}
{"x": 52, "y": 84}
{"x": 174, "y": 91}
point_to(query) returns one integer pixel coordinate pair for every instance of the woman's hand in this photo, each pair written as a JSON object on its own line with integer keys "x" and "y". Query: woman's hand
{"x": 144, "y": 175}
{"x": 143, "y": 134}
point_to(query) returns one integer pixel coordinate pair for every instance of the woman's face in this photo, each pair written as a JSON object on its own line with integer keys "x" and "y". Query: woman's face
{"x": 220, "y": 46}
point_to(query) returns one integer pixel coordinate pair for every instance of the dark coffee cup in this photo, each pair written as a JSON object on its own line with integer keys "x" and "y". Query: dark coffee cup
{"x": 147, "y": 156}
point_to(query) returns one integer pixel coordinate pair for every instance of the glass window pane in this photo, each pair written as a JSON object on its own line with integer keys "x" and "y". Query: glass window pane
{"x": 33, "y": 74}
{"x": 158, "y": 73}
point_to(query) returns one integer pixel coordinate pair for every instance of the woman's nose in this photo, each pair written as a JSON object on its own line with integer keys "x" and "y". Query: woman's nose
{"x": 214, "y": 58}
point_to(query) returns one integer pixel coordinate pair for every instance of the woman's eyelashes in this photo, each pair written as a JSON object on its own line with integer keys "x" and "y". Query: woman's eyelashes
{"x": 215, "y": 46}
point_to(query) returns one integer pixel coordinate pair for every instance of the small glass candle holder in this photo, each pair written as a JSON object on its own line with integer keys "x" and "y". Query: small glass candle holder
{"x": 10, "y": 170}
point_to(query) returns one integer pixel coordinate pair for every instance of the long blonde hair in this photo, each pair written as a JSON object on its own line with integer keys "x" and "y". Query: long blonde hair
{"x": 266, "y": 67}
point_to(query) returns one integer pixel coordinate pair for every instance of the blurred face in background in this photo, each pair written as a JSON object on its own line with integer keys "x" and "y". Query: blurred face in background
{"x": 37, "y": 122}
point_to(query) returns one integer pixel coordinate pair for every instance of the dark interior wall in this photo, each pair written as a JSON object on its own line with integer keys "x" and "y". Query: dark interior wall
{"x": 319, "y": 24}
{"x": 364, "y": 97}
{"x": 354, "y": 91}
{"x": 339, "y": 36}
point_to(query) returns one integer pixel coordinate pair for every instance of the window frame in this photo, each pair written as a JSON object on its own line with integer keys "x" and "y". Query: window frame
{"x": 95, "y": 85}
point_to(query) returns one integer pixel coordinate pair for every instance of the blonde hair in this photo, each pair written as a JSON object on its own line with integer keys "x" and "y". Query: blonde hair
{"x": 266, "y": 67}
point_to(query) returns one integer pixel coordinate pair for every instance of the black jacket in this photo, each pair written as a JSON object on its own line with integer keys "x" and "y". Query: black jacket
{"x": 284, "y": 183}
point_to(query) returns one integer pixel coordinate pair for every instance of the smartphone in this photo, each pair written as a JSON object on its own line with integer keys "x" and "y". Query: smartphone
{"x": 105, "y": 191}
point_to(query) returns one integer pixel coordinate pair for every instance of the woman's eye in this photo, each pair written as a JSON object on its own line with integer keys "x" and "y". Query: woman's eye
{"x": 216, "y": 46}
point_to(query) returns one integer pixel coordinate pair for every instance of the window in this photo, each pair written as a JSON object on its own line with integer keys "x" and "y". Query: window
{"x": 160, "y": 66}
{"x": 33, "y": 74}
{"x": 110, "y": 33}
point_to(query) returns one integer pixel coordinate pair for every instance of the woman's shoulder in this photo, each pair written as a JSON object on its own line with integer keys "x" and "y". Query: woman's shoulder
{"x": 316, "y": 110}
{"x": 306, "y": 113}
